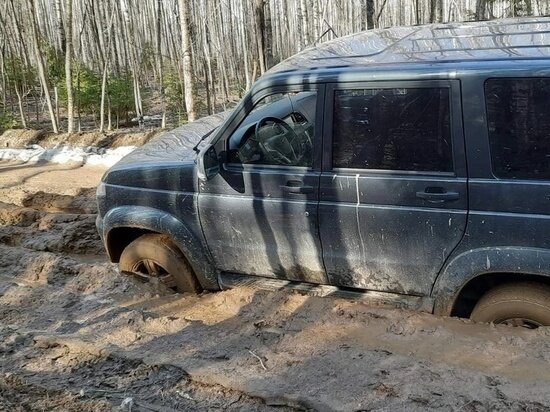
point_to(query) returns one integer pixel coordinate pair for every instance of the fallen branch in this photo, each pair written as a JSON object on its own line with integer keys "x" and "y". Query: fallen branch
{"x": 257, "y": 357}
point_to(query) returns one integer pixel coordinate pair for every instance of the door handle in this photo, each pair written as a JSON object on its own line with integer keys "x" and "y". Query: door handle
{"x": 437, "y": 195}
{"x": 297, "y": 187}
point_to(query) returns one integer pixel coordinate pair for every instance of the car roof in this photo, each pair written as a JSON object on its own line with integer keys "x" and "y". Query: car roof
{"x": 498, "y": 40}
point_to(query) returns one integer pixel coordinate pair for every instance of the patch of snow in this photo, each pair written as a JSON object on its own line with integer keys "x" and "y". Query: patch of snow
{"x": 68, "y": 154}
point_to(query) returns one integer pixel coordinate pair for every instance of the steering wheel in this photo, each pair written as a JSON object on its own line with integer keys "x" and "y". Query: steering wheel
{"x": 281, "y": 139}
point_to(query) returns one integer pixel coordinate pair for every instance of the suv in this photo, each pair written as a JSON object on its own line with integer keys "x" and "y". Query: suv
{"x": 407, "y": 164}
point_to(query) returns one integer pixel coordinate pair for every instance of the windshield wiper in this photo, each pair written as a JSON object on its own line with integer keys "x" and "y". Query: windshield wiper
{"x": 196, "y": 147}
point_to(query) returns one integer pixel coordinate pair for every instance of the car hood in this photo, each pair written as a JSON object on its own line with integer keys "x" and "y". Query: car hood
{"x": 173, "y": 145}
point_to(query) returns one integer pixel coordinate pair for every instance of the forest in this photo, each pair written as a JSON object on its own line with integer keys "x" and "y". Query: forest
{"x": 71, "y": 65}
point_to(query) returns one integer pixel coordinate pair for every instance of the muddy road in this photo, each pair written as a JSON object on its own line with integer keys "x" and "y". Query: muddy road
{"x": 77, "y": 335}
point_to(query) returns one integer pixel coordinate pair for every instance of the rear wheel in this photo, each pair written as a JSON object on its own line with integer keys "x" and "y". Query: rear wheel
{"x": 155, "y": 256}
{"x": 525, "y": 304}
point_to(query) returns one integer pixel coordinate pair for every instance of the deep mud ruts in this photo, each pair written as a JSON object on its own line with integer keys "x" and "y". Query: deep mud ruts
{"x": 76, "y": 335}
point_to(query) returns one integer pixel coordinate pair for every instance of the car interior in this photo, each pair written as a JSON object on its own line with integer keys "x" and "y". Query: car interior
{"x": 279, "y": 132}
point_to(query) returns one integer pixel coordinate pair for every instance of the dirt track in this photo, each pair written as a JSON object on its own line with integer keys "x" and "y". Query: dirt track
{"x": 77, "y": 335}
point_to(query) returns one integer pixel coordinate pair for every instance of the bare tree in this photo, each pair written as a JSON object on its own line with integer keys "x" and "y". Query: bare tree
{"x": 69, "y": 63}
{"x": 188, "y": 72}
{"x": 481, "y": 9}
{"x": 268, "y": 36}
{"x": 40, "y": 63}
{"x": 104, "y": 78}
{"x": 244, "y": 45}
{"x": 260, "y": 33}
{"x": 367, "y": 15}
{"x": 60, "y": 27}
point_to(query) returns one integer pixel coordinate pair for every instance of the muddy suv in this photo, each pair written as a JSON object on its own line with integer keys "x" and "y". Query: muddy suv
{"x": 409, "y": 164}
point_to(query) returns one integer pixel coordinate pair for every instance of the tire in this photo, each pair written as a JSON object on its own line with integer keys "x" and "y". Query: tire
{"x": 155, "y": 256}
{"x": 525, "y": 304}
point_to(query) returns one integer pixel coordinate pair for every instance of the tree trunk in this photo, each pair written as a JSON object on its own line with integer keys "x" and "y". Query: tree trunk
{"x": 260, "y": 32}
{"x": 207, "y": 89}
{"x": 56, "y": 99}
{"x": 78, "y": 108}
{"x": 481, "y": 7}
{"x": 68, "y": 65}
{"x": 433, "y": 10}
{"x": 299, "y": 29}
{"x": 21, "y": 111}
{"x": 104, "y": 79}
{"x": 268, "y": 36}
{"x": 305, "y": 24}
{"x": 370, "y": 14}
{"x": 4, "y": 81}
{"x": 380, "y": 11}
{"x": 109, "y": 117}
{"x": 103, "y": 94}
{"x": 19, "y": 33}
{"x": 60, "y": 28}
{"x": 208, "y": 72}
{"x": 244, "y": 46}
{"x": 188, "y": 73}
{"x": 160, "y": 61}
{"x": 40, "y": 64}
{"x": 137, "y": 100}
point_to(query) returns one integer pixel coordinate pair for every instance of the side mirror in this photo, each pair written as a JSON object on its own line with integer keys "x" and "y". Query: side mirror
{"x": 208, "y": 165}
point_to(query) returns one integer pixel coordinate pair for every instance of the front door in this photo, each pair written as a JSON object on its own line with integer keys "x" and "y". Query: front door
{"x": 393, "y": 201}
{"x": 260, "y": 213}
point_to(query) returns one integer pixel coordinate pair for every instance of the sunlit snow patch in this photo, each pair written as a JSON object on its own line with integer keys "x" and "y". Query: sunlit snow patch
{"x": 67, "y": 154}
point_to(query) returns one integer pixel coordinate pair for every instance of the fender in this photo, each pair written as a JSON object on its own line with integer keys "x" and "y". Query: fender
{"x": 475, "y": 262}
{"x": 156, "y": 220}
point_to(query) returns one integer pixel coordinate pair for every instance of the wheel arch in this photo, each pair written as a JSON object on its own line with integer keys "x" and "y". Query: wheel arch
{"x": 470, "y": 274}
{"x": 118, "y": 238}
{"x": 124, "y": 224}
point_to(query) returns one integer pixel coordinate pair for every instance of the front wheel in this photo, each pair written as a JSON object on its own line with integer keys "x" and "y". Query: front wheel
{"x": 525, "y": 304}
{"x": 155, "y": 256}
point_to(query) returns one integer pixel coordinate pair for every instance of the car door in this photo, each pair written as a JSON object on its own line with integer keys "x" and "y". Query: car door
{"x": 393, "y": 201}
{"x": 260, "y": 213}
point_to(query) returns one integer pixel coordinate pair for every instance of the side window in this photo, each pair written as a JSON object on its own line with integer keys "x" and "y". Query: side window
{"x": 518, "y": 113}
{"x": 393, "y": 129}
{"x": 279, "y": 131}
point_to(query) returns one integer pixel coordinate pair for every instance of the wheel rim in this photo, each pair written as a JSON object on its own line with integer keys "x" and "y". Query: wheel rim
{"x": 521, "y": 322}
{"x": 148, "y": 269}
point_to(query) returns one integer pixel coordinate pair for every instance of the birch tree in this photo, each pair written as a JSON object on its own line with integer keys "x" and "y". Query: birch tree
{"x": 187, "y": 52}
{"x": 68, "y": 64}
{"x": 40, "y": 62}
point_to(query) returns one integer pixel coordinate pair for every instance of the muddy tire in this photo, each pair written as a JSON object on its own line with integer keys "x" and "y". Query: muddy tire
{"x": 155, "y": 256}
{"x": 525, "y": 304}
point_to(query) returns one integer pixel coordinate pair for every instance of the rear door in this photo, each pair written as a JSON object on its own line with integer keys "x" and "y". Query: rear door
{"x": 393, "y": 196}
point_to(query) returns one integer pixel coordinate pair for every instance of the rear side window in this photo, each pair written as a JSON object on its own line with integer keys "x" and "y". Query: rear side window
{"x": 518, "y": 114}
{"x": 393, "y": 129}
